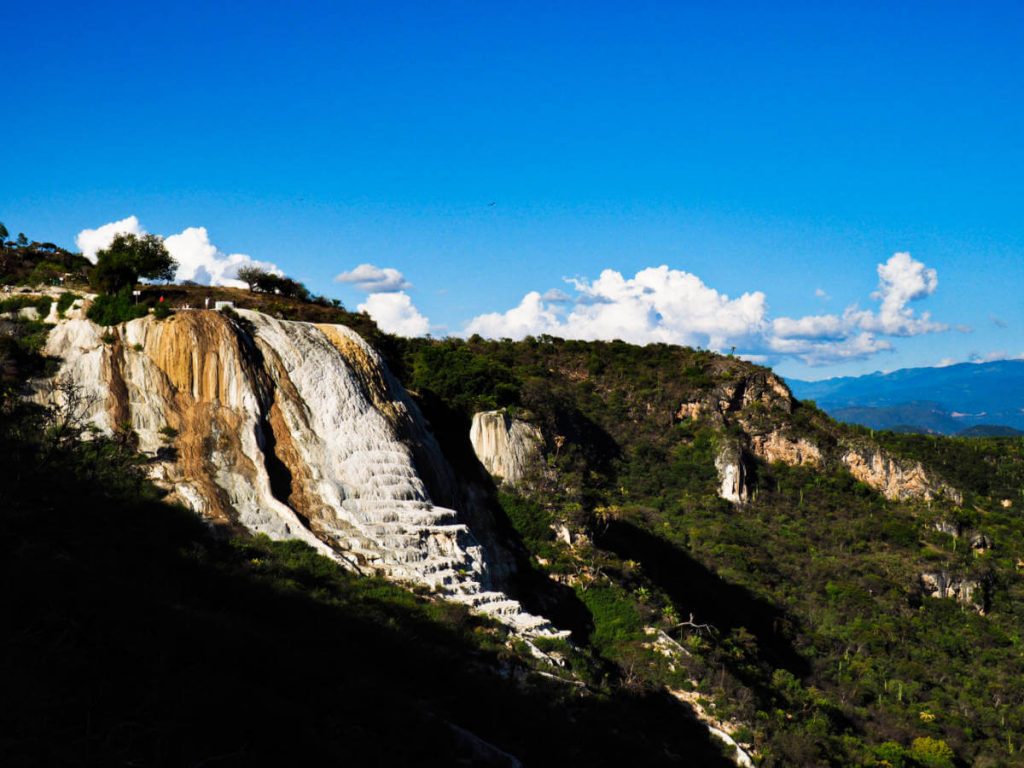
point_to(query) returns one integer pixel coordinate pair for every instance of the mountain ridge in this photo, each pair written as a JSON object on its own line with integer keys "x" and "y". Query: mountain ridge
{"x": 944, "y": 399}
{"x": 701, "y": 533}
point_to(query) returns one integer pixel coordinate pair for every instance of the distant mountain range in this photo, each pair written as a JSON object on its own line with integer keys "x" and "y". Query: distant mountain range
{"x": 972, "y": 399}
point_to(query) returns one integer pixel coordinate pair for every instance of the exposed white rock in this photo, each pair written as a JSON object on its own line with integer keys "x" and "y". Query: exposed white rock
{"x": 778, "y": 447}
{"x": 315, "y": 400}
{"x": 507, "y": 447}
{"x": 732, "y": 475}
{"x": 942, "y": 584}
{"x": 715, "y": 727}
{"x": 896, "y": 480}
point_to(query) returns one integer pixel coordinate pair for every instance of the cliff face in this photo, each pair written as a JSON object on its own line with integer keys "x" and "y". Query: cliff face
{"x": 289, "y": 429}
{"x": 759, "y": 408}
{"x": 507, "y": 447}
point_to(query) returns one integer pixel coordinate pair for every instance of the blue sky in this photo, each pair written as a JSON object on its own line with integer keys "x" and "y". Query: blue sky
{"x": 778, "y": 151}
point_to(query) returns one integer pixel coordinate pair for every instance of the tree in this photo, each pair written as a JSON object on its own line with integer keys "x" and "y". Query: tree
{"x": 251, "y": 276}
{"x": 130, "y": 257}
{"x": 4, "y": 234}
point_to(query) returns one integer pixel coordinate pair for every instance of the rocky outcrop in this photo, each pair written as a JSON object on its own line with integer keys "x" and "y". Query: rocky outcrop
{"x": 894, "y": 479}
{"x": 732, "y": 474}
{"x": 969, "y": 592}
{"x": 508, "y": 448}
{"x": 758, "y": 406}
{"x": 777, "y": 447}
{"x": 289, "y": 429}
{"x": 758, "y": 390}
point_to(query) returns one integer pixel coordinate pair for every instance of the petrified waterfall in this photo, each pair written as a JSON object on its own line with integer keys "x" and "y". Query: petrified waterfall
{"x": 289, "y": 429}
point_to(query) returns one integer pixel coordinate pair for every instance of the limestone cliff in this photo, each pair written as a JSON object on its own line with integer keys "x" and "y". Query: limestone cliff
{"x": 896, "y": 480}
{"x": 756, "y": 409}
{"x": 289, "y": 429}
{"x": 732, "y": 474}
{"x": 507, "y": 447}
{"x": 973, "y": 593}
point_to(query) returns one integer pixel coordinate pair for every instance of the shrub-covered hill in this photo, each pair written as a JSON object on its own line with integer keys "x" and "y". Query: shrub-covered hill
{"x": 136, "y": 636}
{"x": 807, "y": 616}
{"x": 25, "y": 262}
{"x": 820, "y": 622}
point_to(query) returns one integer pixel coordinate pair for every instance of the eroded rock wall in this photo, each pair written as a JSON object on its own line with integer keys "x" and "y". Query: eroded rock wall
{"x": 507, "y": 447}
{"x": 289, "y": 429}
{"x": 760, "y": 405}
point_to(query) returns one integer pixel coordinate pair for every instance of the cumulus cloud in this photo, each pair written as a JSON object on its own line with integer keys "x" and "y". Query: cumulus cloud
{"x": 202, "y": 262}
{"x": 657, "y": 304}
{"x": 660, "y": 304}
{"x": 902, "y": 279}
{"x": 373, "y": 279}
{"x": 394, "y": 313}
{"x": 198, "y": 259}
{"x": 530, "y": 318}
{"x": 809, "y": 327}
{"x": 556, "y": 296}
{"x": 92, "y": 241}
{"x": 995, "y": 356}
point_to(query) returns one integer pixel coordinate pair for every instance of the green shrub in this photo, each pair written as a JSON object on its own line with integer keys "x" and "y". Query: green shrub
{"x": 116, "y": 308}
{"x": 932, "y": 753}
{"x": 616, "y": 619}
{"x": 528, "y": 517}
{"x": 65, "y": 301}
{"x": 46, "y": 272}
{"x": 168, "y": 432}
{"x": 890, "y": 755}
{"x": 15, "y": 303}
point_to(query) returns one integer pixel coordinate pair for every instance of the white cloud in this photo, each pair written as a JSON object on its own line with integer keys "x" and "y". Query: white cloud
{"x": 809, "y": 327}
{"x": 667, "y": 305}
{"x": 822, "y": 294}
{"x": 657, "y": 304}
{"x": 556, "y": 296}
{"x": 823, "y": 352}
{"x": 530, "y": 318}
{"x": 902, "y": 279}
{"x": 373, "y": 279}
{"x": 198, "y": 259}
{"x": 395, "y": 313}
{"x": 91, "y": 241}
{"x": 995, "y": 356}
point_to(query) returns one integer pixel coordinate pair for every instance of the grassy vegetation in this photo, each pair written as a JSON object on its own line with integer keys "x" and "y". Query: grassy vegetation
{"x": 800, "y": 612}
{"x": 141, "y": 638}
{"x": 138, "y": 636}
{"x": 32, "y": 263}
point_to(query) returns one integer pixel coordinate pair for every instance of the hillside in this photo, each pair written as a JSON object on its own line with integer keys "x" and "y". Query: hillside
{"x": 822, "y": 633}
{"x": 140, "y": 636}
{"x": 711, "y": 545}
{"x": 946, "y": 400}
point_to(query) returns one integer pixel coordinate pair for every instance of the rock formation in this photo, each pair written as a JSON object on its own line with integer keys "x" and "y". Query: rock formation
{"x": 894, "y": 479}
{"x": 732, "y": 474}
{"x": 507, "y": 447}
{"x": 968, "y": 592}
{"x": 289, "y": 429}
{"x": 777, "y": 447}
{"x": 760, "y": 405}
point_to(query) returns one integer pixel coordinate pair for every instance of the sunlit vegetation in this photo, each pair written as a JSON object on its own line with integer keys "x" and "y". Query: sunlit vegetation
{"x": 800, "y": 613}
